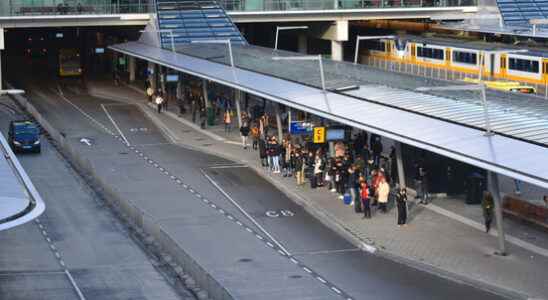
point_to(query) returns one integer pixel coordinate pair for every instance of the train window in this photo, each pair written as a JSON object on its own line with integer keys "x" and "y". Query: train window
{"x": 523, "y": 65}
{"x": 465, "y": 57}
{"x": 430, "y": 52}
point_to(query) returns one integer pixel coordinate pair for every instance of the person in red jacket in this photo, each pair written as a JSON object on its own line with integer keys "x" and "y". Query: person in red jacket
{"x": 364, "y": 196}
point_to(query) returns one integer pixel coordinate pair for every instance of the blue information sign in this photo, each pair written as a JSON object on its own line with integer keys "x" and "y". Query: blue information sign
{"x": 299, "y": 127}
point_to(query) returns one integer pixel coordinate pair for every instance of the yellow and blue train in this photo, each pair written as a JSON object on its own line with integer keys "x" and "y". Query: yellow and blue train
{"x": 498, "y": 61}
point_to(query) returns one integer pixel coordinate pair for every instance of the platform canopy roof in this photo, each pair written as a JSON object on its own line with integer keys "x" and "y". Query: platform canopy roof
{"x": 386, "y": 103}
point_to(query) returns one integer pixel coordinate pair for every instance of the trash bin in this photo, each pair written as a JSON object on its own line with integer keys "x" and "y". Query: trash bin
{"x": 475, "y": 186}
{"x": 210, "y": 116}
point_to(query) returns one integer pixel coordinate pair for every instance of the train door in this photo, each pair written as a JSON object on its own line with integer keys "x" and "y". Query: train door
{"x": 492, "y": 65}
{"x": 447, "y": 57}
{"x": 389, "y": 48}
{"x": 413, "y": 52}
{"x": 503, "y": 66}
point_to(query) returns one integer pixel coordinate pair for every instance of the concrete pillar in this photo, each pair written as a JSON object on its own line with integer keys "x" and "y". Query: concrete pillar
{"x": 337, "y": 50}
{"x": 237, "y": 98}
{"x": 399, "y": 162}
{"x": 303, "y": 43}
{"x": 204, "y": 91}
{"x": 131, "y": 68}
{"x": 279, "y": 123}
{"x": 493, "y": 184}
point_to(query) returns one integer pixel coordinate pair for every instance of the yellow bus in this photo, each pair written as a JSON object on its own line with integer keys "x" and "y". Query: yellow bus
{"x": 69, "y": 63}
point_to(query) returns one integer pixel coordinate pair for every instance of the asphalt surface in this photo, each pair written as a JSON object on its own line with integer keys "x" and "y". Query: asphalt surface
{"x": 77, "y": 245}
{"x": 208, "y": 195}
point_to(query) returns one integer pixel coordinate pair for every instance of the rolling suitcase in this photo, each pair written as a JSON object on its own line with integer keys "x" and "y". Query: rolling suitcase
{"x": 313, "y": 182}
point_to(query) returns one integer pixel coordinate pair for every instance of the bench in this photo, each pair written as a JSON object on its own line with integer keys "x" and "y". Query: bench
{"x": 523, "y": 210}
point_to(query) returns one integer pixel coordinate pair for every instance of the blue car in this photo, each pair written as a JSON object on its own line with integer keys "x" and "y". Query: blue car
{"x": 24, "y": 136}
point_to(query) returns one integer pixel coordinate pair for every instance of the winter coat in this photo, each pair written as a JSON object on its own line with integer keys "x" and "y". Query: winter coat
{"x": 383, "y": 191}
{"x": 244, "y": 130}
{"x": 318, "y": 166}
{"x": 298, "y": 163}
{"x": 364, "y": 192}
{"x": 262, "y": 148}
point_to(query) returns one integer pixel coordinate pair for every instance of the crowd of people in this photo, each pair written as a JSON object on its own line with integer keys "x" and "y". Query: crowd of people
{"x": 357, "y": 172}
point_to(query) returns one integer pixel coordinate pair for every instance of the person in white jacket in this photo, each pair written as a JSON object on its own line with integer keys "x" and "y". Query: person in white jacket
{"x": 318, "y": 173}
{"x": 383, "y": 191}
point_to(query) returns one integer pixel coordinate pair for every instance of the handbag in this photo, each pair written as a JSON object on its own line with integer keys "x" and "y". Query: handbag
{"x": 327, "y": 177}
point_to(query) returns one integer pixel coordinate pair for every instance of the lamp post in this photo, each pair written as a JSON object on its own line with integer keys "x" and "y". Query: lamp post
{"x": 322, "y": 76}
{"x": 226, "y": 42}
{"x": 278, "y": 28}
{"x": 361, "y": 38}
{"x": 167, "y": 31}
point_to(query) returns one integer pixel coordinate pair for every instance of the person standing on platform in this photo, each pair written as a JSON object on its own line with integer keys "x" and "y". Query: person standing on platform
{"x": 487, "y": 204}
{"x": 364, "y": 197}
{"x": 244, "y": 131}
{"x": 383, "y": 191}
{"x": 255, "y": 135}
{"x": 401, "y": 201}
{"x": 227, "y": 120}
{"x": 262, "y": 152}
{"x": 159, "y": 102}
{"x": 299, "y": 168}
{"x": 150, "y": 93}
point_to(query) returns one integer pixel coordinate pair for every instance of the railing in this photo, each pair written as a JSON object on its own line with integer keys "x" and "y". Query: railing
{"x": 87, "y": 9}
{"x": 292, "y": 5}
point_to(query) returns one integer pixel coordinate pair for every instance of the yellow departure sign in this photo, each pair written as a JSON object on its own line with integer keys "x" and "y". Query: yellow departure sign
{"x": 319, "y": 135}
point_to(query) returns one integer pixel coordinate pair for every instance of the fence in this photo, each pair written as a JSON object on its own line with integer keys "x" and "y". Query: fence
{"x": 292, "y": 5}
{"x": 437, "y": 73}
{"x": 76, "y": 9}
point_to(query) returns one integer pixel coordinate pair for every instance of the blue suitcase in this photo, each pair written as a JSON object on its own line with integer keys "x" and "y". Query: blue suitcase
{"x": 347, "y": 199}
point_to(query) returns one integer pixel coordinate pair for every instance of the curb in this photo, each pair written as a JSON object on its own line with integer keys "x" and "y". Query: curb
{"x": 331, "y": 222}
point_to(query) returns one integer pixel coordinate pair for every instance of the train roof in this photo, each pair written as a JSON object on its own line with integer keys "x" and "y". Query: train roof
{"x": 474, "y": 44}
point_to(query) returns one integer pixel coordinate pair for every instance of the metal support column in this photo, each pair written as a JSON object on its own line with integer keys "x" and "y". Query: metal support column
{"x": 289, "y": 117}
{"x": 399, "y": 162}
{"x": 279, "y": 124}
{"x": 493, "y": 183}
{"x": 237, "y": 98}
{"x": 204, "y": 91}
